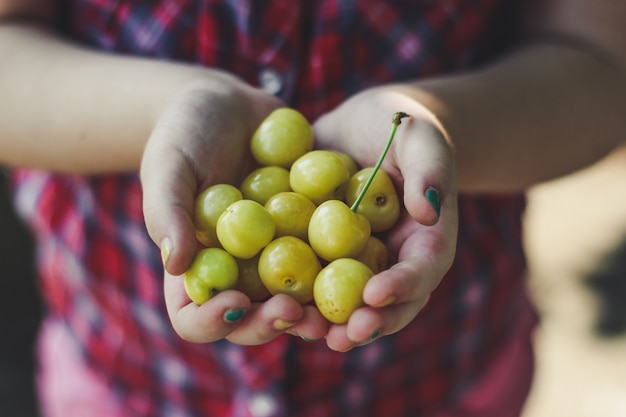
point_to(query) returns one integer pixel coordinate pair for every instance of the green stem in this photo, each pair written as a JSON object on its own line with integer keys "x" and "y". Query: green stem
{"x": 395, "y": 122}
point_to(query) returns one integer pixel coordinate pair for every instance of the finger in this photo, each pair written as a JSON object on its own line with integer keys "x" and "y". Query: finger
{"x": 418, "y": 273}
{"x": 425, "y": 159}
{"x": 267, "y": 320}
{"x": 367, "y": 324}
{"x": 169, "y": 188}
{"x": 337, "y": 338}
{"x": 312, "y": 326}
{"x": 205, "y": 323}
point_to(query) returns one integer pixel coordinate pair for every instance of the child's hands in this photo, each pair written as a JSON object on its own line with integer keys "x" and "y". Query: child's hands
{"x": 203, "y": 139}
{"x": 423, "y": 244}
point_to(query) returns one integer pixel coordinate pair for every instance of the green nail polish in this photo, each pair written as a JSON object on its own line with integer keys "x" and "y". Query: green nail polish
{"x": 375, "y": 335}
{"x": 306, "y": 339}
{"x": 433, "y": 197}
{"x": 234, "y": 315}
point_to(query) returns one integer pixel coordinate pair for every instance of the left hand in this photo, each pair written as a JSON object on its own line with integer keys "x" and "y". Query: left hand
{"x": 423, "y": 243}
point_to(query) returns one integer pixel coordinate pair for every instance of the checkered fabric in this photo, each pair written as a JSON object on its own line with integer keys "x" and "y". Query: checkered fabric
{"x": 101, "y": 275}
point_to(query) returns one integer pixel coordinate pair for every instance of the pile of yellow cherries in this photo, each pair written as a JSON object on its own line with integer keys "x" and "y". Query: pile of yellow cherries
{"x": 302, "y": 223}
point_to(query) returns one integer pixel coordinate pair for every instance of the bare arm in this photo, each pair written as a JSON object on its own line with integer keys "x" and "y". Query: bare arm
{"x": 553, "y": 106}
{"x": 67, "y": 108}
{"x": 526, "y": 118}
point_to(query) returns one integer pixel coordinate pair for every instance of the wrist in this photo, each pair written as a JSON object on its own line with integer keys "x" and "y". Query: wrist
{"x": 425, "y": 106}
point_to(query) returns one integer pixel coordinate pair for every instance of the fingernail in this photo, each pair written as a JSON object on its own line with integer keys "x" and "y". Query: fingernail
{"x": 166, "y": 250}
{"x": 387, "y": 301}
{"x": 234, "y": 315}
{"x": 433, "y": 198}
{"x": 280, "y": 324}
{"x": 373, "y": 337}
{"x": 306, "y": 339}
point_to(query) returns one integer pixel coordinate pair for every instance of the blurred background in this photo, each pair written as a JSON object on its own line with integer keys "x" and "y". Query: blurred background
{"x": 19, "y": 314}
{"x": 575, "y": 235}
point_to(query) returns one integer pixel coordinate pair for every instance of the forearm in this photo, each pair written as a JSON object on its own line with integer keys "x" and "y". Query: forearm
{"x": 544, "y": 111}
{"x": 70, "y": 109}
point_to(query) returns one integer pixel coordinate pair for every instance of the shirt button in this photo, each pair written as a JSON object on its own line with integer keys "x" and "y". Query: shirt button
{"x": 270, "y": 81}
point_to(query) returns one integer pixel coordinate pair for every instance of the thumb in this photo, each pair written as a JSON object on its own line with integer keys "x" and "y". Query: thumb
{"x": 425, "y": 159}
{"x": 168, "y": 196}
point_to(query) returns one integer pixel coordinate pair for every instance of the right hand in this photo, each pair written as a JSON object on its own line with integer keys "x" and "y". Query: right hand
{"x": 202, "y": 139}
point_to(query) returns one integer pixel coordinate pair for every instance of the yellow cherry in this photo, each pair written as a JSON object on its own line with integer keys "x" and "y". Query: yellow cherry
{"x": 348, "y": 162}
{"x": 337, "y": 232}
{"x": 213, "y": 270}
{"x": 264, "y": 182}
{"x": 245, "y": 228}
{"x": 380, "y": 204}
{"x": 291, "y": 212}
{"x": 249, "y": 281}
{"x": 375, "y": 255}
{"x": 289, "y": 266}
{"x": 281, "y": 138}
{"x": 209, "y": 206}
{"x": 319, "y": 175}
{"x": 338, "y": 289}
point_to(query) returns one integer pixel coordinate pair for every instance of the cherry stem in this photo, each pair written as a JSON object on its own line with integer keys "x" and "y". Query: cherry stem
{"x": 395, "y": 122}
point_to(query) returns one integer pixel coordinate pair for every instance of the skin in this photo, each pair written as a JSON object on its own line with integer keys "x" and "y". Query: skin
{"x": 544, "y": 110}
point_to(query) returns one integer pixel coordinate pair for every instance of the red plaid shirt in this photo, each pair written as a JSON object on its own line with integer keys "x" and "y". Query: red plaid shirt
{"x": 102, "y": 276}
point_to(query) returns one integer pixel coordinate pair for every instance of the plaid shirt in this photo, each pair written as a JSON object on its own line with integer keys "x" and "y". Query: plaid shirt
{"x": 102, "y": 276}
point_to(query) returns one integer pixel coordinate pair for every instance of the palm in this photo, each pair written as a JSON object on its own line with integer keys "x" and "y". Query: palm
{"x": 422, "y": 244}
